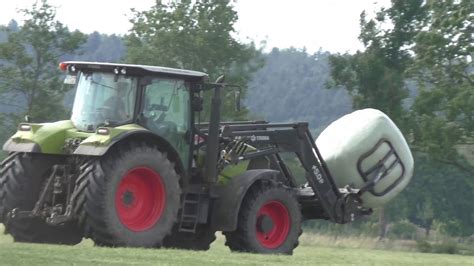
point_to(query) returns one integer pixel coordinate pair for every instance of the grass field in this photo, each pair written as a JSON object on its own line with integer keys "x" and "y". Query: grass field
{"x": 307, "y": 254}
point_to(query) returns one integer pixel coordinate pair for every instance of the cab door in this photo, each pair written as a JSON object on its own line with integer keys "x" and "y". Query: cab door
{"x": 166, "y": 112}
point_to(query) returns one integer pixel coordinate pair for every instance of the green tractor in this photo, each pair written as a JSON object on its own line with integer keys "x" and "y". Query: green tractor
{"x": 134, "y": 166}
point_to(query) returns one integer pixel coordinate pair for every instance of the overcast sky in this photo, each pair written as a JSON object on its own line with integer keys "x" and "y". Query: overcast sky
{"x": 332, "y": 25}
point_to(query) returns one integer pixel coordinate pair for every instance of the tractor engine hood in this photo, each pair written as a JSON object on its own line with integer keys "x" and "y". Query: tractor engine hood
{"x": 53, "y": 138}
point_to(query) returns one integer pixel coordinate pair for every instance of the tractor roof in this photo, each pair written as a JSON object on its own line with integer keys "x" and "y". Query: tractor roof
{"x": 139, "y": 69}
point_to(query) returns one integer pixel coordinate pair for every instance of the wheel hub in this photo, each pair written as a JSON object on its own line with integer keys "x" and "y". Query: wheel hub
{"x": 128, "y": 198}
{"x": 265, "y": 224}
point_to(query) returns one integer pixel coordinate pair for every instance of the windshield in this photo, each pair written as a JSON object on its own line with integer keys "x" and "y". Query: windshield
{"x": 103, "y": 99}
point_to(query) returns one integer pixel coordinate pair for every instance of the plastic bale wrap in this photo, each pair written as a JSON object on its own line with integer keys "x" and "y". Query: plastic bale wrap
{"x": 357, "y": 145}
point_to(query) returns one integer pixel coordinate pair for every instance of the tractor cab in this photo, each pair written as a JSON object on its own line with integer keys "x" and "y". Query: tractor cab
{"x": 113, "y": 95}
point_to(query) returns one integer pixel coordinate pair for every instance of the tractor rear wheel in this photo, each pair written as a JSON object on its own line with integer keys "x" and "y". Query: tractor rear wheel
{"x": 128, "y": 197}
{"x": 22, "y": 176}
{"x": 201, "y": 240}
{"x": 269, "y": 221}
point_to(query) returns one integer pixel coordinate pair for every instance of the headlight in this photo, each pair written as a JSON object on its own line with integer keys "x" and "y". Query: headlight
{"x": 24, "y": 127}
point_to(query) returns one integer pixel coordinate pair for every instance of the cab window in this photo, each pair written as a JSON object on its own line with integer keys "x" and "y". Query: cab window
{"x": 166, "y": 111}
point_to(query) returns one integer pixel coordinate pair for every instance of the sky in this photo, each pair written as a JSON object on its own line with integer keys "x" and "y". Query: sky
{"x": 332, "y": 25}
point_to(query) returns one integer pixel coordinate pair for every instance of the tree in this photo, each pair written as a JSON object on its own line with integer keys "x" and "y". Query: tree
{"x": 444, "y": 71}
{"x": 196, "y": 35}
{"x": 30, "y": 80}
{"x": 375, "y": 77}
{"x": 428, "y": 43}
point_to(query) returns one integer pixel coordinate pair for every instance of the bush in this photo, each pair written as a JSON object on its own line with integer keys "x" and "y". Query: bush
{"x": 370, "y": 229}
{"x": 452, "y": 228}
{"x": 445, "y": 247}
{"x": 403, "y": 230}
{"x": 423, "y": 246}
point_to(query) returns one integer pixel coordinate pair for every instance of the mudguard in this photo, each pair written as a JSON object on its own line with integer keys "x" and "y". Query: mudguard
{"x": 98, "y": 145}
{"x": 94, "y": 146}
{"x": 11, "y": 146}
{"x": 39, "y": 138}
{"x": 225, "y": 209}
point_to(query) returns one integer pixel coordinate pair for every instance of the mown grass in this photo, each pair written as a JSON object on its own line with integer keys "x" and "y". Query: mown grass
{"x": 307, "y": 254}
{"x": 365, "y": 242}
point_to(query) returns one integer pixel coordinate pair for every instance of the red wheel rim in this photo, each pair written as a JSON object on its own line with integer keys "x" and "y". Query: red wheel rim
{"x": 276, "y": 234}
{"x": 140, "y": 199}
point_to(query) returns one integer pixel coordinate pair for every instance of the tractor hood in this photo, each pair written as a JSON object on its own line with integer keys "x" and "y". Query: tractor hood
{"x": 54, "y": 138}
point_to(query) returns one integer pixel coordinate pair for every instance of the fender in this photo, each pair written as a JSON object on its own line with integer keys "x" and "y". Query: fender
{"x": 41, "y": 137}
{"x": 98, "y": 145}
{"x": 225, "y": 209}
{"x": 140, "y": 134}
{"x": 31, "y": 147}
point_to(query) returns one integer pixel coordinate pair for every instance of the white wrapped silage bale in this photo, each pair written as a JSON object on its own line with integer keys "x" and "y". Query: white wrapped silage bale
{"x": 362, "y": 144}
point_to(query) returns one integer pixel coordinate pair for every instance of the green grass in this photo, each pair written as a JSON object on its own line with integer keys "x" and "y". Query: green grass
{"x": 307, "y": 254}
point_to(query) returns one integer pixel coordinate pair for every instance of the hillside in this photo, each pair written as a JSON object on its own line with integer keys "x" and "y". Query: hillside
{"x": 291, "y": 80}
{"x": 291, "y": 87}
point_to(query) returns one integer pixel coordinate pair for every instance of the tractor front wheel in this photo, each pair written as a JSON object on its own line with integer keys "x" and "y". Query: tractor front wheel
{"x": 129, "y": 197}
{"x": 269, "y": 221}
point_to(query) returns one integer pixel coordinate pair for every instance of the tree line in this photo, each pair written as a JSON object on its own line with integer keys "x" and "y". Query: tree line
{"x": 416, "y": 67}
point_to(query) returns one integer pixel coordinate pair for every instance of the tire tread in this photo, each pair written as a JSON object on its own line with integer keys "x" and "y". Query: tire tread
{"x": 91, "y": 188}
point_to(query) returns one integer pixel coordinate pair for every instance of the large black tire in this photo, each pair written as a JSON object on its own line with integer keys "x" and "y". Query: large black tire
{"x": 22, "y": 176}
{"x": 269, "y": 221}
{"x": 112, "y": 190}
{"x": 201, "y": 240}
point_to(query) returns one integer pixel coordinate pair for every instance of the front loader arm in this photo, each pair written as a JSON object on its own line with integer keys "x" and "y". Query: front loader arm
{"x": 339, "y": 205}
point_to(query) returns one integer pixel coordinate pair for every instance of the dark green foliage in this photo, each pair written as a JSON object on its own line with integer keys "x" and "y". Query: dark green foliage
{"x": 443, "y": 68}
{"x": 444, "y": 247}
{"x": 403, "y": 230}
{"x": 442, "y": 193}
{"x": 423, "y": 246}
